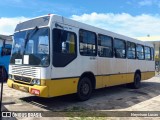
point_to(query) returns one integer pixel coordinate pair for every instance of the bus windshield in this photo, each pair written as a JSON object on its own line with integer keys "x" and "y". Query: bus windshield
{"x": 31, "y": 47}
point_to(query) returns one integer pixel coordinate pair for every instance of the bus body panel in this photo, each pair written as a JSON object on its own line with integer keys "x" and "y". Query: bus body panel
{"x": 43, "y": 90}
{"x": 78, "y": 65}
{"x": 56, "y": 81}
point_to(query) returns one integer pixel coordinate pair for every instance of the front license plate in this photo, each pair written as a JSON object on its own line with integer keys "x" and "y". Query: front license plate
{"x": 22, "y": 88}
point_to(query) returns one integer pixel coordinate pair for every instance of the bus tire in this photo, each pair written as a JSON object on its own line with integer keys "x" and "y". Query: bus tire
{"x": 84, "y": 89}
{"x": 137, "y": 81}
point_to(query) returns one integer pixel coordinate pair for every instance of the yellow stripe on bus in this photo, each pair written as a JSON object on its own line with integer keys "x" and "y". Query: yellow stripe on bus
{"x": 58, "y": 87}
{"x": 118, "y": 79}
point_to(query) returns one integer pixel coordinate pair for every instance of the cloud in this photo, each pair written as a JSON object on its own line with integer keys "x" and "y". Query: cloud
{"x": 146, "y": 2}
{"x": 124, "y": 23}
{"x": 7, "y": 25}
{"x": 152, "y": 3}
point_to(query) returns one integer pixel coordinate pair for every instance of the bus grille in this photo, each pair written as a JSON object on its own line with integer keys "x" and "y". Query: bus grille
{"x": 24, "y": 79}
{"x": 25, "y": 71}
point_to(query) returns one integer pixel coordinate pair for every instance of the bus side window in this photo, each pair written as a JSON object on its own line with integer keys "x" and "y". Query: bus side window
{"x": 119, "y": 48}
{"x": 105, "y": 44}
{"x": 147, "y": 53}
{"x": 152, "y": 54}
{"x": 131, "y": 50}
{"x": 140, "y": 52}
{"x": 87, "y": 43}
{"x": 6, "y": 51}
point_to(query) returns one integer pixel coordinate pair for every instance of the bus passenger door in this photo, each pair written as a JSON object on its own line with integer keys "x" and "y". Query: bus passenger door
{"x": 64, "y": 59}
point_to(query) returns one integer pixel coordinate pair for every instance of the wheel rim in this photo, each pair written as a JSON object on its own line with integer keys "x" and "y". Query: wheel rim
{"x": 85, "y": 89}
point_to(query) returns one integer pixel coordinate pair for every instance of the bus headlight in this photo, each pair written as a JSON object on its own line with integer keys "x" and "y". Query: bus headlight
{"x": 36, "y": 82}
{"x": 11, "y": 77}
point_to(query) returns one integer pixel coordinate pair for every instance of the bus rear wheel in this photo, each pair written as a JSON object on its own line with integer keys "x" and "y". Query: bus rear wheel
{"x": 84, "y": 89}
{"x": 137, "y": 81}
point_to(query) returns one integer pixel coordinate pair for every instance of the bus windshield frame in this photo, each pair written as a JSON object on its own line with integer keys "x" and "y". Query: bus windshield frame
{"x": 31, "y": 47}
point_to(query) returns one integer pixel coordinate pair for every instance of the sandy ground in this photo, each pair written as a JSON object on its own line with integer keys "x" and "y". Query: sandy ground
{"x": 119, "y": 98}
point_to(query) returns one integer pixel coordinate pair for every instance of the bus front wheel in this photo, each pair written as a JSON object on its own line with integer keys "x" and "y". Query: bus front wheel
{"x": 84, "y": 89}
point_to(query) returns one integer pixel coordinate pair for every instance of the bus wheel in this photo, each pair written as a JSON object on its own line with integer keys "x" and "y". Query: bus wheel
{"x": 137, "y": 81}
{"x": 84, "y": 89}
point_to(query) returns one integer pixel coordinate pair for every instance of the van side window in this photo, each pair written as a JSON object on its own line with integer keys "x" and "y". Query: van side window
{"x": 131, "y": 50}
{"x": 140, "y": 52}
{"x": 87, "y": 41}
{"x": 119, "y": 48}
{"x": 105, "y": 46}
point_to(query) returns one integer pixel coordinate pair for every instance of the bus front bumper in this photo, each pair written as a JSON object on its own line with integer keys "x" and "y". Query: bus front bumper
{"x": 41, "y": 91}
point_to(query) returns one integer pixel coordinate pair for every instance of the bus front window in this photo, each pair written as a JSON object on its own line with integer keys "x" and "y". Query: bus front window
{"x": 31, "y": 47}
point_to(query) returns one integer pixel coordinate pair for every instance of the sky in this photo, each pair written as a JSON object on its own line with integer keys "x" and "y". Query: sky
{"x": 133, "y": 18}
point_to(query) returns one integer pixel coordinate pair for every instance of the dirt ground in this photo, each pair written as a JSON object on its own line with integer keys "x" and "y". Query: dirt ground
{"x": 119, "y": 98}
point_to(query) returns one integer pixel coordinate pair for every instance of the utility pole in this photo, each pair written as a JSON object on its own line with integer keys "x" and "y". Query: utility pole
{"x": 2, "y": 77}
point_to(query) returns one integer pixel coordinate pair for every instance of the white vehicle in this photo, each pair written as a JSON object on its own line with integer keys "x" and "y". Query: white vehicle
{"x": 54, "y": 56}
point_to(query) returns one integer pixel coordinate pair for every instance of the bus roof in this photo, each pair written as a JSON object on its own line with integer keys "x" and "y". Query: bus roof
{"x": 60, "y": 19}
{"x": 80, "y": 25}
{"x": 6, "y": 37}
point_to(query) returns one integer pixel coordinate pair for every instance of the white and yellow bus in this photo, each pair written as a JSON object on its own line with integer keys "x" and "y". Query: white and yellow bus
{"x": 54, "y": 56}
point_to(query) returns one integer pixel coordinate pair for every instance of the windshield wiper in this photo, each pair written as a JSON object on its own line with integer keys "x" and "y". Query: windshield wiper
{"x": 29, "y": 35}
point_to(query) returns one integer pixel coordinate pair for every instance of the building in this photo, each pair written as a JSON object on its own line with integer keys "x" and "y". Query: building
{"x": 8, "y": 39}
